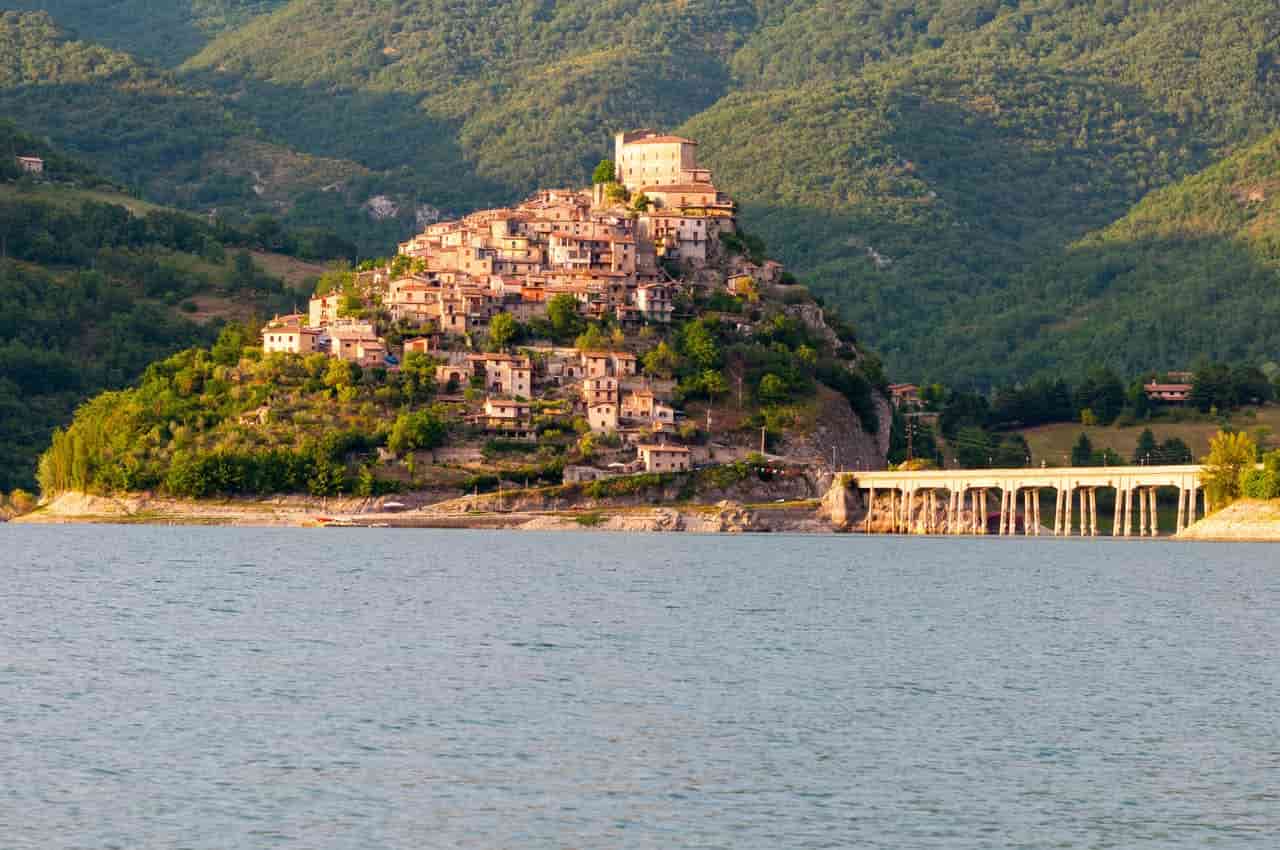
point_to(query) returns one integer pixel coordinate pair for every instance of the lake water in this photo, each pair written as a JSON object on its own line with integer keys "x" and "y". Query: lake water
{"x": 227, "y": 688}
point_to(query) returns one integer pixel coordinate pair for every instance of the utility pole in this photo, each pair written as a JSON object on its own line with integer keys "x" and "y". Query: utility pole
{"x": 762, "y": 427}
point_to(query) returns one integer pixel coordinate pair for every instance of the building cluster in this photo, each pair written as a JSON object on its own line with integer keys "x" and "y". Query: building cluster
{"x": 30, "y": 164}
{"x": 609, "y": 248}
{"x": 605, "y": 247}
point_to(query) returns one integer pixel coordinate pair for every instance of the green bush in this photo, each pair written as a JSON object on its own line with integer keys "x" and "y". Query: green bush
{"x": 1260, "y": 484}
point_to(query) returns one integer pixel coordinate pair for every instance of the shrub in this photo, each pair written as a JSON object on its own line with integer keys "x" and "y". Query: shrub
{"x": 1260, "y": 484}
{"x": 1230, "y": 454}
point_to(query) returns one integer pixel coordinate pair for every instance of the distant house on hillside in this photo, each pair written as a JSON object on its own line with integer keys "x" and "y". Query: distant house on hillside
{"x": 31, "y": 164}
{"x": 1168, "y": 393}
{"x": 904, "y": 395}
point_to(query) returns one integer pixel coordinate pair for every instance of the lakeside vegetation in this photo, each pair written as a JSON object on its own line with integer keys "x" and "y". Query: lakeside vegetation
{"x": 1102, "y": 420}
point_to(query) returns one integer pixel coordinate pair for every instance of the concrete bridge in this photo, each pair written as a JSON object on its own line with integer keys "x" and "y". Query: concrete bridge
{"x": 958, "y": 501}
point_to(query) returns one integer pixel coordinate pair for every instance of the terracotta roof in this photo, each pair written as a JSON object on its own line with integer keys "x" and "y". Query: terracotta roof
{"x": 660, "y": 140}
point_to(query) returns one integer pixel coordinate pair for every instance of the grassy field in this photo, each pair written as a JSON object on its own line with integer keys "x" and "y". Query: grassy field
{"x": 1052, "y": 443}
{"x": 70, "y": 198}
{"x": 297, "y": 274}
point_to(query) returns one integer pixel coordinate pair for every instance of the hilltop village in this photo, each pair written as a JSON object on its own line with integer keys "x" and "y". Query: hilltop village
{"x": 621, "y": 345}
{"x": 652, "y": 241}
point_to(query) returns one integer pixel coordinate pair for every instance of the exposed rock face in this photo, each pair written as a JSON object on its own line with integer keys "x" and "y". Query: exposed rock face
{"x": 838, "y": 505}
{"x": 381, "y": 207}
{"x": 838, "y": 427}
{"x": 811, "y": 316}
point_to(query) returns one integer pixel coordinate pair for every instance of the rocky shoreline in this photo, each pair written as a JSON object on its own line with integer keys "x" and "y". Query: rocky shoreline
{"x": 1245, "y": 521}
{"x": 724, "y": 517}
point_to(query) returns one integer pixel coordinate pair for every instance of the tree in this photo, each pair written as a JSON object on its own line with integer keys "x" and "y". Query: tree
{"x": 1230, "y": 454}
{"x": 417, "y": 377}
{"x": 562, "y": 311}
{"x": 1146, "y": 449}
{"x": 772, "y": 390}
{"x": 1211, "y": 387}
{"x": 661, "y": 362}
{"x": 700, "y": 345}
{"x": 713, "y": 384}
{"x": 1174, "y": 451}
{"x": 1082, "y": 451}
{"x": 231, "y": 343}
{"x": 1103, "y": 393}
{"x": 591, "y": 340}
{"x": 605, "y": 172}
{"x": 340, "y": 373}
{"x": 423, "y": 429}
{"x": 503, "y": 328}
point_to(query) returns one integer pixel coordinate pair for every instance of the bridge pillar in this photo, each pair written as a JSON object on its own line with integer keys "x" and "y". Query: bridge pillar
{"x": 1057, "y": 511}
{"x": 1182, "y": 509}
{"x": 1128, "y": 511}
{"x": 1155, "y": 514}
{"x": 1035, "y": 509}
{"x": 1115, "y": 520}
{"x": 871, "y": 506}
{"x": 1070, "y": 519}
{"x": 1093, "y": 511}
{"x": 1142, "y": 512}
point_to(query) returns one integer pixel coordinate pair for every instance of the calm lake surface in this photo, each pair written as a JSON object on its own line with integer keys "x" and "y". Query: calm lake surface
{"x": 229, "y": 688}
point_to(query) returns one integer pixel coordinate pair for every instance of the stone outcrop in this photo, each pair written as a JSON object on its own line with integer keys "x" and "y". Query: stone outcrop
{"x": 838, "y": 427}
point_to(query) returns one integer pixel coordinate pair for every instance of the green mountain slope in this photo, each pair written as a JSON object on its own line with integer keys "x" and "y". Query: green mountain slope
{"x": 177, "y": 142}
{"x": 925, "y": 164}
{"x": 1192, "y": 271}
{"x": 162, "y": 31}
{"x": 915, "y": 160}
{"x": 97, "y": 285}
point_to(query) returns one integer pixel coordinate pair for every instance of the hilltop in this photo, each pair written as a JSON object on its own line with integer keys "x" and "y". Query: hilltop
{"x": 605, "y": 342}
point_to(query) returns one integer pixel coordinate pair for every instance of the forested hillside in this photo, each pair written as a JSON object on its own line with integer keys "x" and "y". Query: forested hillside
{"x": 935, "y": 168}
{"x": 97, "y": 285}
{"x": 162, "y": 31}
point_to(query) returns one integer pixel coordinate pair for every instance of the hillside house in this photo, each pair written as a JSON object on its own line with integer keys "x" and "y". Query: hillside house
{"x": 30, "y": 164}
{"x": 662, "y": 458}
{"x": 599, "y": 364}
{"x": 289, "y": 335}
{"x": 600, "y": 390}
{"x": 655, "y": 302}
{"x": 323, "y": 309}
{"x": 642, "y": 405}
{"x": 904, "y": 396}
{"x": 1168, "y": 393}
{"x": 602, "y": 417}
{"x": 357, "y": 343}
{"x": 508, "y": 417}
